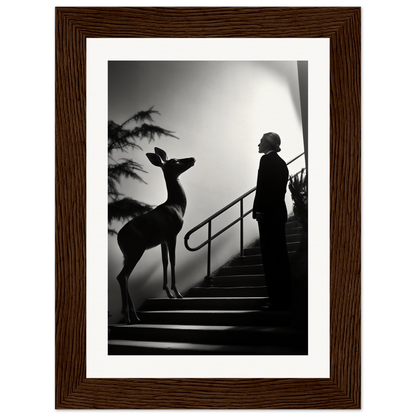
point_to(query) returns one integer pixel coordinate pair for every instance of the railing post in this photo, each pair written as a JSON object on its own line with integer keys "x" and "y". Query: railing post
{"x": 241, "y": 228}
{"x": 209, "y": 250}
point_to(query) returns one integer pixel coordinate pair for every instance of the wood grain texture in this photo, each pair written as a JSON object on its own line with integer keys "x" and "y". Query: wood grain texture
{"x": 343, "y": 389}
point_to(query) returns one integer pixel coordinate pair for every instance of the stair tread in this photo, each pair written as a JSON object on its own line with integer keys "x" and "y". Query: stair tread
{"x": 245, "y": 266}
{"x": 241, "y": 269}
{"x": 257, "y": 256}
{"x": 237, "y": 291}
{"x": 187, "y": 348}
{"x": 252, "y": 279}
{"x": 235, "y": 328}
{"x": 252, "y": 330}
{"x": 202, "y": 298}
{"x": 212, "y": 311}
{"x": 230, "y": 288}
{"x": 237, "y": 275}
{"x": 216, "y": 316}
{"x": 206, "y": 302}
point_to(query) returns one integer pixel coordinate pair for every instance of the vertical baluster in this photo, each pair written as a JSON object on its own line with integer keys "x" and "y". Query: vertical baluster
{"x": 241, "y": 228}
{"x": 209, "y": 250}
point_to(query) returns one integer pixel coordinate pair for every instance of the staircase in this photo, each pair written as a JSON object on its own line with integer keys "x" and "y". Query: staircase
{"x": 219, "y": 316}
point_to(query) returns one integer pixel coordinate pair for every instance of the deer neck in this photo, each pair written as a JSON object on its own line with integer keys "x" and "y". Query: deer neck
{"x": 176, "y": 194}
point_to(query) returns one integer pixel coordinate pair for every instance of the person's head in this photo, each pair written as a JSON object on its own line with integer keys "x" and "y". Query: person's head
{"x": 269, "y": 142}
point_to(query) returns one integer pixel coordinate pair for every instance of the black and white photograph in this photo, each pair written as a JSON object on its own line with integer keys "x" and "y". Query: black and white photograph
{"x": 208, "y": 207}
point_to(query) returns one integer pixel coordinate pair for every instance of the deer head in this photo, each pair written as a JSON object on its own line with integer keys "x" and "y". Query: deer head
{"x": 172, "y": 168}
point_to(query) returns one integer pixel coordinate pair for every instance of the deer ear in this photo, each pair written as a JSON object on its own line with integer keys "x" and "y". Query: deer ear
{"x": 161, "y": 153}
{"x": 155, "y": 159}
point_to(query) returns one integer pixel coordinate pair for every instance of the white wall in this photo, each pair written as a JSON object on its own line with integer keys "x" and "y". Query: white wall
{"x": 219, "y": 110}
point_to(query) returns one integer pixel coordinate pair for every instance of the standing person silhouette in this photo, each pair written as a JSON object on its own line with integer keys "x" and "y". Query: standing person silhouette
{"x": 269, "y": 209}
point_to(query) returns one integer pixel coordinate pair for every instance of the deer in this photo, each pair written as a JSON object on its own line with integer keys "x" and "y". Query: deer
{"x": 157, "y": 227}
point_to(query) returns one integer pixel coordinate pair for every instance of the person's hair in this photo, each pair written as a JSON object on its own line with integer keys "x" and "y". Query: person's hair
{"x": 274, "y": 140}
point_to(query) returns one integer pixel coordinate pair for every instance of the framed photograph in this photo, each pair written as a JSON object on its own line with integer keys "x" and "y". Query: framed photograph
{"x": 208, "y": 96}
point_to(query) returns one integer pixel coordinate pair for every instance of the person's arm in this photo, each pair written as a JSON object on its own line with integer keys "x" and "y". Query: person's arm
{"x": 262, "y": 191}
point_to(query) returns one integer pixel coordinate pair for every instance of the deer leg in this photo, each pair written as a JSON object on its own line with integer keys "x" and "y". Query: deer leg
{"x": 172, "y": 258}
{"x": 128, "y": 310}
{"x": 134, "y": 319}
{"x": 165, "y": 269}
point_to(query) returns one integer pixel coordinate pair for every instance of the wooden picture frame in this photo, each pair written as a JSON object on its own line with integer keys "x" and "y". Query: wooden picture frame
{"x": 343, "y": 389}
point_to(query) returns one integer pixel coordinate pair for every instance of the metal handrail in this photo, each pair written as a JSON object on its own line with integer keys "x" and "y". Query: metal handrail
{"x": 218, "y": 213}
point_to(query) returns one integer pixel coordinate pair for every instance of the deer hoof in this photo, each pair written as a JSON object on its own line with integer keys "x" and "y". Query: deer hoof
{"x": 170, "y": 296}
{"x": 131, "y": 318}
{"x": 178, "y": 295}
{"x": 134, "y": 319}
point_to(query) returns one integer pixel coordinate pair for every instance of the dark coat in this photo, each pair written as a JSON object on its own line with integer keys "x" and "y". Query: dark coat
{"x": 271, "y": 187}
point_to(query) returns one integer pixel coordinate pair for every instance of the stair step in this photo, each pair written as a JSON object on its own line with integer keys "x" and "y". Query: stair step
{"x": 208, "y": 334}
{"x": 125, "y": 347}
{"x": 247, "y": 260}
{"x": 292, "y": 246}
{"x": 293, "y": 238}
{"x": 250, "y": 264}
{"x": 292, "y": 225}
{"x": 244, "y": 291}
{"x": 241, "y": 270}
{"x": 293, "y": 230}
{"x": 224, "y": 303}
{"x": 215, "y": 317}
{"x": 252, "y": 251}
{"x": 235, "y": 280}
{"x": 250, "y": 260}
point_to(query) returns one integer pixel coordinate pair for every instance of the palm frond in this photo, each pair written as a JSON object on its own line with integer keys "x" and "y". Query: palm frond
{"x": 122, "y": 139}
{"x": 126, "y": 169}
{"x": 113, "y": 193}
{"x": 142, "y": 116}
{"x": 149, "y": 131}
